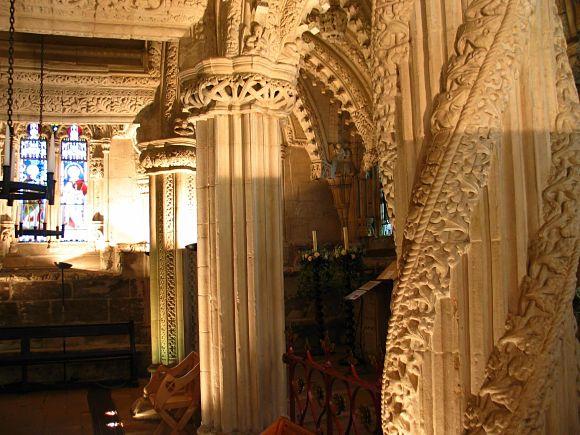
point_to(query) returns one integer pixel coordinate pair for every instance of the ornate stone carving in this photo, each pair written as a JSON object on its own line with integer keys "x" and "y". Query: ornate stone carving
{"x": 275, "y": 29}
{"x": 465, "y": 127}
{"x": 240, "y": 90}
{"x": 120, "y": 104}
{"x": 315, "y": 145}
{"x": 170, "y": 156}
{"x": 170, "y": 80}
{"x": 139, "y": 19}
{"x": 166, "y": 260}
{"x": 519, "y": 372}
{"x": 389, "y": 49}
{"x": 321, "y": 62}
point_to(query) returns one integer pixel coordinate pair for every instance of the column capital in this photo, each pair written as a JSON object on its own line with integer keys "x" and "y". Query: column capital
{"x": 168, "y": 155}
{"x": 240, "y": 85}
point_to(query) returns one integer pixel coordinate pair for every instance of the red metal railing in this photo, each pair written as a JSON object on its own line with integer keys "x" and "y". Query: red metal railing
{"x": 328, "y": 401}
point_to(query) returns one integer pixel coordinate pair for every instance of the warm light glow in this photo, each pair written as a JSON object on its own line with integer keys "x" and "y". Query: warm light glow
{"x": 115, "y": 424}
{"x": 111, "y": 413}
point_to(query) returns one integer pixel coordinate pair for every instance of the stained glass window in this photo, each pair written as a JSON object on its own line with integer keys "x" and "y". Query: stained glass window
{"x": 32, "y": 169}
{"x": 73, "y": 186}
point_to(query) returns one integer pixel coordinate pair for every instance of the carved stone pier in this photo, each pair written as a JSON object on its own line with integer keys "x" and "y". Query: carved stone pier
{"x": 170, "y": 164}
{"x": 236, "y": 105}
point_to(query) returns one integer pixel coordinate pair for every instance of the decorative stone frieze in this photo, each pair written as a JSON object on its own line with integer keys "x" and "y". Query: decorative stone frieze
{"x": 172, "y": 155}
{"x": 157, "y": 19}
{"x": 520, "y": 370}
{"x": 75, "y": 104}
{"x": 465, "y": 128}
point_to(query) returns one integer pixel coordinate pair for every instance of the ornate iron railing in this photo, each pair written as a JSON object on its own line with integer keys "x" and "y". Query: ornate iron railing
{"x": 329, "y": 401}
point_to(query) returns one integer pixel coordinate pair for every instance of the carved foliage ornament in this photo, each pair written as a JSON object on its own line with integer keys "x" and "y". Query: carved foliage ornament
{"x": 275, "y": 29}
{"x": 520, "y": 369}
{"x": 466, "y": 123}
{"x": 239, "y": 91}
{"x": 149, "y": 12}
{"x": 389, "y": 50}
{"x": 168, "y": 158}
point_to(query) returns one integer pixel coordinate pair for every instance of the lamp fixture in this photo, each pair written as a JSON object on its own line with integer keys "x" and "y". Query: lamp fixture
{"x": 11, "y": 190}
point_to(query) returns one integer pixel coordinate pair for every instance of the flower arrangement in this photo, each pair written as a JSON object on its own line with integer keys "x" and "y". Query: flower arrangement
{"x": 348, "y": 267}
{"x": 314, "y": 271}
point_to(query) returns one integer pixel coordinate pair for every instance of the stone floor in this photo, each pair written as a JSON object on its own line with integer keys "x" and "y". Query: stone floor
{"x": 65, "y": 412}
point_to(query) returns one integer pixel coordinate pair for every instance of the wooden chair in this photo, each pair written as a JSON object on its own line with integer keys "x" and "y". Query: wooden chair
{"x": 141, "y": 408}
{"x": 175, "y": 395}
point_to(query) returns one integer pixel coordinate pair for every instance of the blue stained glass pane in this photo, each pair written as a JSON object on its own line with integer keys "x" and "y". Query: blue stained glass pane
{"x": 32, "y": 169}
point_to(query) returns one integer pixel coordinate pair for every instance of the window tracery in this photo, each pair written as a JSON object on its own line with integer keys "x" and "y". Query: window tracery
{"x": 73, "y": 184}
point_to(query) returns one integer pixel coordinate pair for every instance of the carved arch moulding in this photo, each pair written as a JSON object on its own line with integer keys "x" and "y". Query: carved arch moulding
{"x": 346, "y": 85}
{"x": 465, "y": 128}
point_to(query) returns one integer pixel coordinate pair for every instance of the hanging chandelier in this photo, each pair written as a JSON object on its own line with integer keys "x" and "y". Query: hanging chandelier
{"x": 11, "y": 190}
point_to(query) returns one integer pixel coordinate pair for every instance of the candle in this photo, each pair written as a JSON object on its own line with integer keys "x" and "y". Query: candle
{"x": 345, "y": 237}
{"x": 314, "y": 241}
{"x": 50, "y": 154}
{"x": 7, "y": 148}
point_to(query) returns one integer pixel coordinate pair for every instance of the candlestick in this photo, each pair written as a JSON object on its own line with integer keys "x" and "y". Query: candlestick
{"x": 314, "y": 241}
{"x": 51, "y": 154}
{"x": 345, "y": 237}
{"x": 7, "y": 148}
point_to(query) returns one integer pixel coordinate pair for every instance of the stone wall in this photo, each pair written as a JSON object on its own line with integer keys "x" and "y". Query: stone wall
{"x": 308, "y": 206}
{"x": 34, "y": 297}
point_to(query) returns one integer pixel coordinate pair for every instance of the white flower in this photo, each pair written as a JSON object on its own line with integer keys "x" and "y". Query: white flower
{"x": 343, "y": 252}
{"x": 310, "y": 258}
{"x": 317, "y": 254}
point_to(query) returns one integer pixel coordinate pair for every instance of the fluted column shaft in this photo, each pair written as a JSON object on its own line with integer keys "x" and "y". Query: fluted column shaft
{"x": 240, "y": 247}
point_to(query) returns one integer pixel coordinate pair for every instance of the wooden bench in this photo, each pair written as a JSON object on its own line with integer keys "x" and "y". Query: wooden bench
{"x": 28, "y": 357}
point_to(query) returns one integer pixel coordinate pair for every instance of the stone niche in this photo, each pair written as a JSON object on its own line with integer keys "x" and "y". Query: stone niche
{"x": 33, "y": 296}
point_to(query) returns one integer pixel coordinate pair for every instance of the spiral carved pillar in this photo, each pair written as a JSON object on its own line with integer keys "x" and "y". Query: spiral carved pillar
{"x": 237, "y": 105}
{"x": 170, "y": 164}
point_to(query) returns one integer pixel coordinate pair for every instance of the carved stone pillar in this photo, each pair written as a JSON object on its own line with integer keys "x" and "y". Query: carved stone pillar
{"x": 170, "y": 164}
{"x": 237, "y": 105}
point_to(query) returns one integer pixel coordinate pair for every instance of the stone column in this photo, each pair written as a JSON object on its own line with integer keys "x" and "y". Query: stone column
{"x": 170, "y": 164}
{"x": 237, "y": 105}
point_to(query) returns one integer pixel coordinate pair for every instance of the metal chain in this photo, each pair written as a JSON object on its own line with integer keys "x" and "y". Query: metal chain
{"x": 41, "y": 101}
{"x": 11, "y": 73}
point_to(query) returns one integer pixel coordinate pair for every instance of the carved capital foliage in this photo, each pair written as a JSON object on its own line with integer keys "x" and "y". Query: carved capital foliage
{"x": 245, "y": 83}
{"x": 167, "y": 156}
{"x": 465, "y": 127}
{"x": 520, "y": 370}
